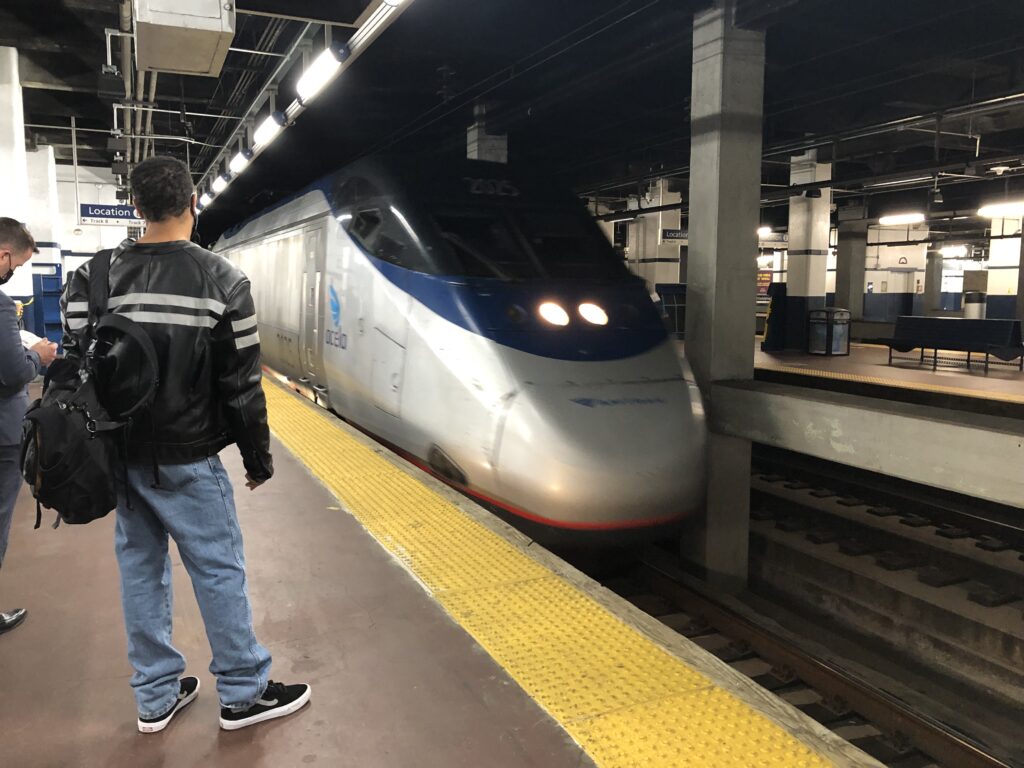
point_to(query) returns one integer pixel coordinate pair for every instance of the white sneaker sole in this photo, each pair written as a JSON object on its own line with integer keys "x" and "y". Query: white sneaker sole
{"x": 161, "y": 724}
{"x": 270, "y": 714}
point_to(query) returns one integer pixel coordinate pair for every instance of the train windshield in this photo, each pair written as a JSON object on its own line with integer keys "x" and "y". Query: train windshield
{"x": 524, "y": 244}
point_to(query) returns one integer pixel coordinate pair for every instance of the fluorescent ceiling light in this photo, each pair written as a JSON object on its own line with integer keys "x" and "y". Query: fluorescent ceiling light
{"x": 954, "y": 251}
{"x": 219, "y": 184}
{"x": 901, "y": 218}
{"x": 320, "y": 72}
{"x": 393, "y": 3}
{"x": 764, "y": 231}
{"x": 1009, "y": 210}
{"x": 269, "y": 129}
{"x": 205, "y": 200}
{"x": 240, "y": 161}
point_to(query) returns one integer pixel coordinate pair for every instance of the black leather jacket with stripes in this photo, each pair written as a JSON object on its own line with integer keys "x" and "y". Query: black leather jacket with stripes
{"x": 197, "y": 308}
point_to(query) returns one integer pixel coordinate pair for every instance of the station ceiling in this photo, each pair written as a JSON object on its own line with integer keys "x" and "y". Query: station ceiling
{"x": 595, "y": 92}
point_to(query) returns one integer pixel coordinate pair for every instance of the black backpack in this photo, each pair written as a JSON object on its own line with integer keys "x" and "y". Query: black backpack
{"x": 74, "y": 434}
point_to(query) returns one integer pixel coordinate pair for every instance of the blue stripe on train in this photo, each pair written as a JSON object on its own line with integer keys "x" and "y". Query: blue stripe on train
{"x": 506, "y": 313}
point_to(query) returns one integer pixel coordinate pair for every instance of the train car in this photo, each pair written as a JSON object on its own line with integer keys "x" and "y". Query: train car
{"x": 477, "y": 320}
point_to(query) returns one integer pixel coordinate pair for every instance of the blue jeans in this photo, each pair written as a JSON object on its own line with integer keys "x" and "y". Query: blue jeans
{"x": 10, "y": 484}
{"x": 195, "y": 505}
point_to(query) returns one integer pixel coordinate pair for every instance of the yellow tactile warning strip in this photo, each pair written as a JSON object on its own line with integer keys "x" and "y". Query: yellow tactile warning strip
{"x": 897, "y": 383}
{"x": 622, "y": 697}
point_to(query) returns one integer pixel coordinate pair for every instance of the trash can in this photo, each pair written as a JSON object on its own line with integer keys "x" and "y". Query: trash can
{"x": 974, "y": 305}
{"x": 828, "y": 331}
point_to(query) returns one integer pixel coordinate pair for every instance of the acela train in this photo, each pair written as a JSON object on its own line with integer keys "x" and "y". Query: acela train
{"x": 478, "y": 321}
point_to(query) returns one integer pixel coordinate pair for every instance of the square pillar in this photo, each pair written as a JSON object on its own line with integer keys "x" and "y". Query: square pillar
{"x": 1020, "y": 281}
{"x": 851, "y": 261}
{"x": 809, "y": 225}
{"x": 725, "y": 178}
{"x": 14, "y": 189}
{"x": 933, "y": 284}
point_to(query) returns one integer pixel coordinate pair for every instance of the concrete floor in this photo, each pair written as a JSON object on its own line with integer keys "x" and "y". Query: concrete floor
{"x": 395, "y": 681}
{"x": 869, "y": 360}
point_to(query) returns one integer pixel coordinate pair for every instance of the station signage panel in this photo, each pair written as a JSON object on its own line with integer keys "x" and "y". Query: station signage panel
{"x": 109, "y": 214}
{"x": 674, "y": 234}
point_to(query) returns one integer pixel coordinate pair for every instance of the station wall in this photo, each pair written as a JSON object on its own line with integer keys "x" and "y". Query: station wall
{"x": 81, "y": 241}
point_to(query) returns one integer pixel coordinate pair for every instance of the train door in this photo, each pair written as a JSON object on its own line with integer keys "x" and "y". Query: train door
{"x": 313, "y": 309}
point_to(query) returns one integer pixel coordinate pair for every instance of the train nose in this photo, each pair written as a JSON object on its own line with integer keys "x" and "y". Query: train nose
{"x": 613, "y": 456}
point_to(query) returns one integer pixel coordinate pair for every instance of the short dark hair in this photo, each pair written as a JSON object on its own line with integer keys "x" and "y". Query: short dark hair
{"x": 16, "y": 236}
{"x": 161, "y": 188}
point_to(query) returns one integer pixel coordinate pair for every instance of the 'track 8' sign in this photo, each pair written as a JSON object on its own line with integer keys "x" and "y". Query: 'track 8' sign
{"x": 110, "y": 214}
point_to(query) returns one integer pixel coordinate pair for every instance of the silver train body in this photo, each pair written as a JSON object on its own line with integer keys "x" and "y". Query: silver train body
{"x": 410, "y": 304}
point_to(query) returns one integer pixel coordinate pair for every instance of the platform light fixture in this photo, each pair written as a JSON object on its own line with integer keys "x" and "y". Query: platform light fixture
{"x": 953, "y": 251}
{"x": 764, "y": 231}
{"x": 898, "y": 219}
{"x": 205, "y": 199}
{"x": 269, "y": 129}
{"x": 393, "y": 3}
{"x": 1012, "y": 209}
{"x": 219, "y": 184}
{"x": 592, "y": 313}
{"x": 240, "y": 161}
{"x": 553, "y": 313}
{"x": 321, "y": 72}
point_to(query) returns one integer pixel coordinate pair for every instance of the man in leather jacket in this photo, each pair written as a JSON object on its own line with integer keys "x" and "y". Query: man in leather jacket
{"x": 18, "y": 366}
{"x": 198, "y": 310}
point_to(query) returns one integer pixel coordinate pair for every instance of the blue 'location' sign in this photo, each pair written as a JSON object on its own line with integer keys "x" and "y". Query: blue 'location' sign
{"x": 108, "y": 213}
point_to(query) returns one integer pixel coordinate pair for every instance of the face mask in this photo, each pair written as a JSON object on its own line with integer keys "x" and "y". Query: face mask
{"x": 10, "y": 272}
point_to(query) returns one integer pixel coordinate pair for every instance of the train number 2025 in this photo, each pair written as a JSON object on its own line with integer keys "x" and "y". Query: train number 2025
{"x": 499, "y": 187}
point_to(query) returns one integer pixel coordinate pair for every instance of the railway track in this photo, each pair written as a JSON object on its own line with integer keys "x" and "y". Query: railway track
{"x": 873, "y": 719}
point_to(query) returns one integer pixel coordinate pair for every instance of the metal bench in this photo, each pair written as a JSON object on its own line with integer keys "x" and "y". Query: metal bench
{"x": 993, "y": 338}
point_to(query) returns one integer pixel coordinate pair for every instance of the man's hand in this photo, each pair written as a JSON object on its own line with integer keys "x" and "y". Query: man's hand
{"x": 46, "y": 350}
{"x": 251, "y": 484}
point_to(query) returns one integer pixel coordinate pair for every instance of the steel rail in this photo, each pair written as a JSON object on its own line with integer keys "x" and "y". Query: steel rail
{"x": 876, "y": 706}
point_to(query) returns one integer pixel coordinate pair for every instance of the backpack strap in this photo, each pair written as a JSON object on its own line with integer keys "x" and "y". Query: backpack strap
{"x": 99, "y": 290}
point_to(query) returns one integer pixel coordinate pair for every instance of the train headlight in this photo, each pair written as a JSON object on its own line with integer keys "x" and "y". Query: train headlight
{"x": 593, "y": 314}
{"x": 553, "y": 313}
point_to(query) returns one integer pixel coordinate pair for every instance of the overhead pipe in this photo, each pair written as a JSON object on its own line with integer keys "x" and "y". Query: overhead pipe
{"x": 891, "y": 126}
{"x": 149, "y": 115}
{"x": 125, "y": 24}
{"x": 140, "y": 85}
{"x": 261, "y": 97}
{"x": 868, "y": 185}
{"x": 376, "y": 18}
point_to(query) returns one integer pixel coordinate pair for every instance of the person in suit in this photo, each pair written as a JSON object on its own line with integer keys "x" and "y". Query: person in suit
{"x": 18, "y": 366}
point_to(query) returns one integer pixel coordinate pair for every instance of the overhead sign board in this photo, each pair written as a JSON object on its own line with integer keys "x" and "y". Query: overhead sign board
{"x": 108, "y": 214}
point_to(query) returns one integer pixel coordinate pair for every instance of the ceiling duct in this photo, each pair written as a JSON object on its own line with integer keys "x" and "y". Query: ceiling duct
{"x": 186, "y": 37}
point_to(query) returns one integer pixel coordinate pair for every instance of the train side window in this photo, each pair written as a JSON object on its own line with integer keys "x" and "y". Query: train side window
{"x": 383, "y": 234}
{"x": 351, "y": 192}
{"x": 365, "y": 226}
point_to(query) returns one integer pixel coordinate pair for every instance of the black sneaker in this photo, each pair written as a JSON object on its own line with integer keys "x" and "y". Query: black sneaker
{"x": 186, "y": 695}
{"x": 277, "y": 701}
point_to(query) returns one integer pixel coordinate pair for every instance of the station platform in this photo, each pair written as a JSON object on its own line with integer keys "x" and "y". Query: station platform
{"x": 865, "y": 371}
{"x": 432, "y": 635}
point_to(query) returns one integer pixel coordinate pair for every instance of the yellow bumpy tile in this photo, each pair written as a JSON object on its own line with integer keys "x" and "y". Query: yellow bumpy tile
{"x": 627, "y": 701}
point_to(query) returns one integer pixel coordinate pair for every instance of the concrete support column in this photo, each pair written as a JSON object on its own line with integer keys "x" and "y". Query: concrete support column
{"x": 809, "y": 224}
{"x": 1020, "y": 281}
{"x": 657, "y": 257}
{"x": 43, "y": 217}
{"x": 933, "y": 284}
{"x": 851, "y": 260}
{"x": 1003, "y": 280}
{"x": 725, "y": 177}
{"x": 14, "y": 189}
